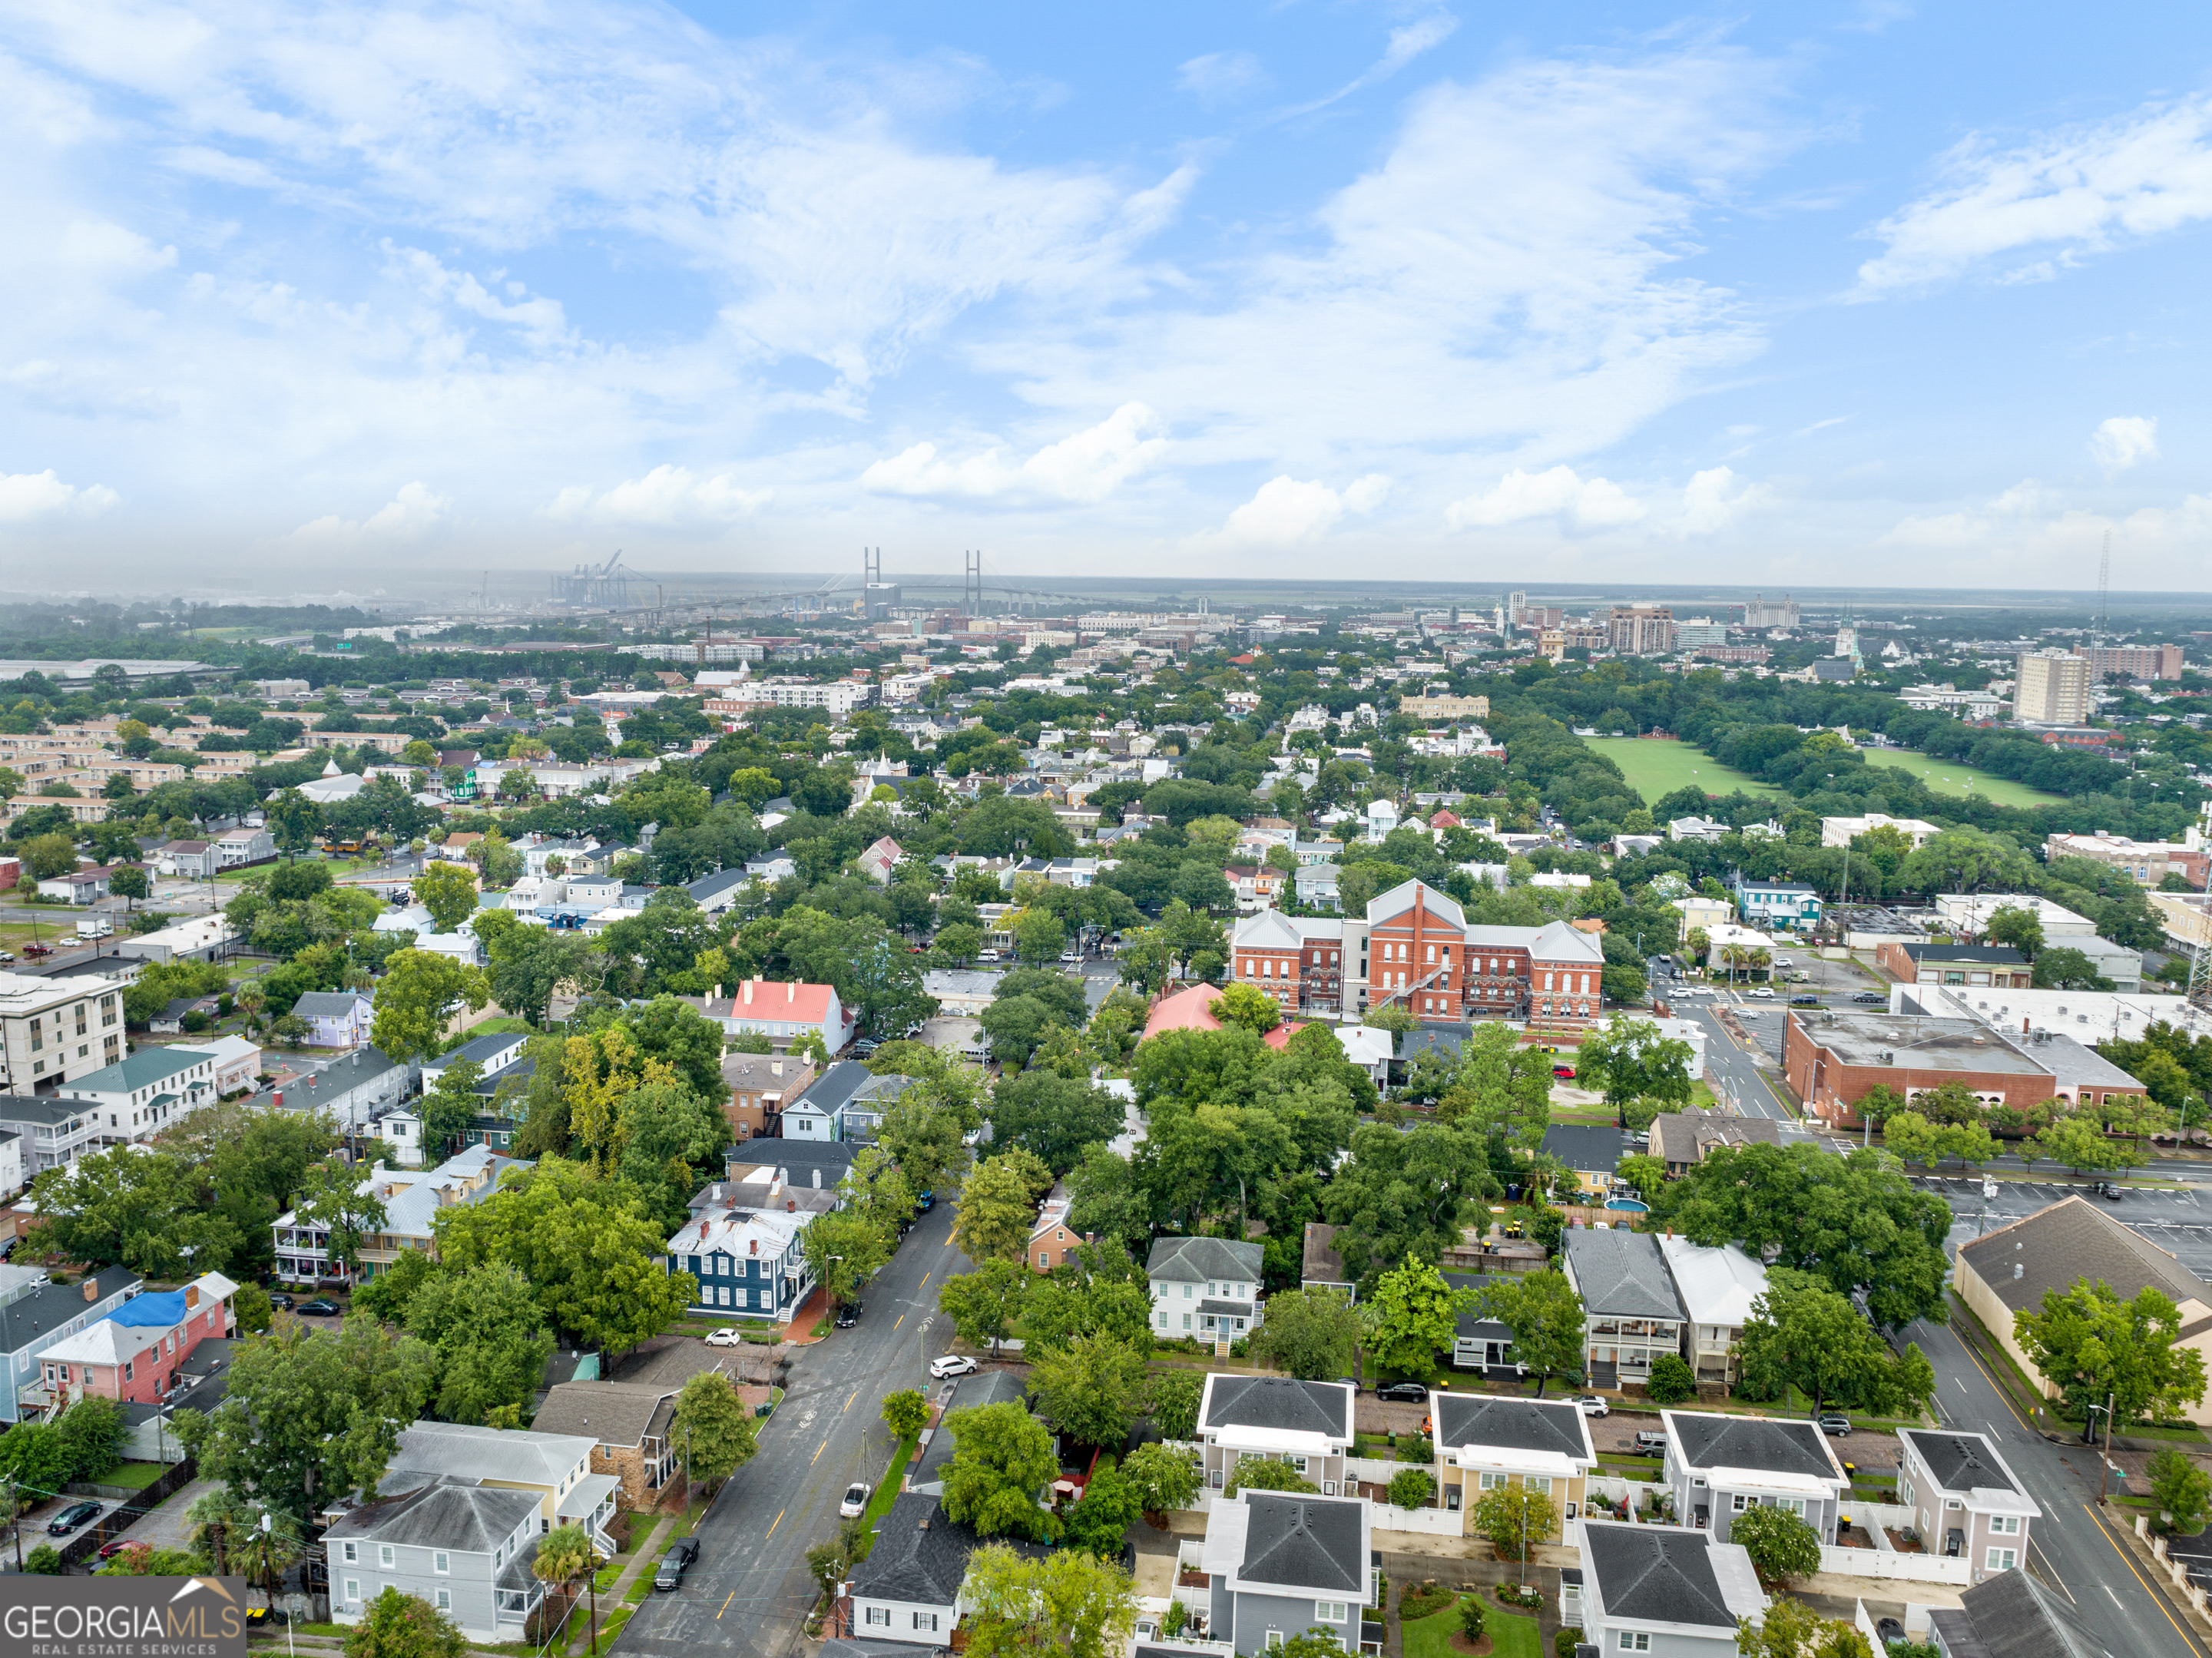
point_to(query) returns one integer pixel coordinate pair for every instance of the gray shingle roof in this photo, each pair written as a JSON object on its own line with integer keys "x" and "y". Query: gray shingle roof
{"x": 1204, "y": 1260}
{"x": 1277, "y": 1401}
{"x": 2013, "y": 1616}
{"x": 970, "y": 1392}
{"x": 921, "y": 1555}
{"x": 2073, "y": 1239}
{"x": 1304, "y": 1542}
{"x": 1745, "y": 1441}
{"x": 327, "y": 1003}
{"x": 1621, "y": 1275}
{"x": 1655, "y": 1574}
{"x": 463, "y": 1518}
{"x": 612, "y": 1412}
{"x": 1959, "y": 1462}
{"x": 1519, "y": 1424}
{"x": 42, "y": 1311}
{"x": 1590, "y": 1148}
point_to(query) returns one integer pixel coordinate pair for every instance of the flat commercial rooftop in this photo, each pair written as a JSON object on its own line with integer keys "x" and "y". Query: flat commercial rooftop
{"x": 1900, "y": 1039}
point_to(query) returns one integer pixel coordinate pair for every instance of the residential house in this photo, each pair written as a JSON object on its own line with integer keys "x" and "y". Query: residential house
{"x": 925, "y": 1472}
{"x": 193, "y": 860}
{"x": 801, "y": 1163}
{"x": 783, "y": 1012}
{"x": 631, "y": 1423}
{"x": 1719, "y": 1466}
{"x": 745, "y": 1264}
{"x": 1966, "y": 1502}
{"x": 1193, "y": 1010}
{"x": 908, "y": 1589}
{"x": 237, "y": 848}
{"x": 237, "y": 1063}
{"x": 2013, "y": 1615}
{"x": 1279, "y": 1565}
{"x": 820, "y": 1113}
{"x": 1305, "y": 1423}
{"x": 879, "y": 859}
{"x": 759, "y": 1085}
{"x": 463, "y": 1549}
{"x": 1205, "y": 1288}
{"x": 1842, "y": 831}
{"x": 86, "y": 884}
{"x": 1662, "y": 1589}
{"x": 1323, "y": 1266}
{"x": 411, "y": 1200}
{"x": 961, "y": 992}
{"x": 36, "y": 1315}
{"x": 1484, "y": 1441}
{"x": 554, "y": 1468}
{"x": 139, "y": 1094}
{"x": 1913, "y": 962}
{"x": 1481, "y": 1342}
{"x": 1051, "y": 1244}
{"x": 490, "y": 1054}
{"x": 1630, "y": 1312}
{"x": 719, "y": 891}
{"x": 2007, "y": 1271}
{"x": 1682, "y": 1140}
{"x": 53, "y": 1031}
{"x": 1697, "y": 829}
{"x": 50, "y": 1130}
{"x": 135, "y": 1352}
{"x": 354, "y": 1090}
{"x": 336, "y": 1018}
{"x": 1717, "y": 1287}
{"x": 1778, "y": 905}
{"x": 12, "y": 1177}
{"x": 1592, "y": 1151}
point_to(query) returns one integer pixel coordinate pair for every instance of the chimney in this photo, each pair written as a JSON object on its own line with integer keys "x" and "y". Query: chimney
{"x": 817, "y": 1177}
{"x": 718, "y": 993}
{"x": 91, "y": 1289}
{"x": 775, "y": 1067}
{"x": 749, "y": 992}
{"x": 791, "y": 991}
{"x": 756, "y": 1248}
{"x": 191, "y": 1296}
{"x": 791, "y": 1205}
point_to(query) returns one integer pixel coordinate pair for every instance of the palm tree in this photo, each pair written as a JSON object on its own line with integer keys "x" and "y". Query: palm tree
{"x": 250, "y": 1001}
{"x": 564, "y": 1554}
{"x": 267, "y": 1551}
{"x": 215, "y": 1519}
{"x": 1757, "y": 959}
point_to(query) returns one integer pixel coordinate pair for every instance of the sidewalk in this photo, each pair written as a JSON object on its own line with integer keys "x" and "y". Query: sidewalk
{"x": 645, "y": 1558}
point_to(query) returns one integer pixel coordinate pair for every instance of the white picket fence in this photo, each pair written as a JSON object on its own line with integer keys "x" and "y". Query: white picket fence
{"x": 1375, "y": 1469}
{"x": 1899, "y": 1568}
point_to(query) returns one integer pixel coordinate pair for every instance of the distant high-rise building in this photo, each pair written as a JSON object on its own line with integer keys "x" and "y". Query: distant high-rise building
{"x": 2051, "y": 687}
{"x": 1847, "y": 641}
{"x": 2135, "y": 661}
{"x": 1640, "y": 629}
{"x": 1693, "y": 633}
{"x": 1763, "y": 612}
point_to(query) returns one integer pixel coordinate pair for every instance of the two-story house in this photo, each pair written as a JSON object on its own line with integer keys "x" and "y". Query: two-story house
{"x": 1307, "y": 1424}
{"x": 411, "y": 1200}
{"x": 1630, "y": 1314}
{"x": 554, "y": 1469}
{"x": 1279, "y": 1564}
{"x": 1590, "y": 1152}
{"x": 1052, "y": 1241}
{"x": 784, "y": 1011}
{"x": 908, "y": 1589}
{"x": 745, "y": 1264}
{"x": 1478, "y": 1341}
{"x": 760, "y": 1085}
{"x": 1205, "y": 1288}
{"x": 1665, "y": 1590}
{"x": 335, "y": 1019}
{"x": 139, "y": 1094}
{"x": 1717, "y": 1287}
{"x": 1778, "y": 905}
{"x": 1719, "y": 1465}
{"x": 2010, "y": 1613}
{"x": 1966, "y": 1502}
{"x": 135, "y": 1352}
{"x": 51, "y": 1131}
{"x": 36, "y": 1316}
{"x": 1487, "y": 1441}
{"x": 466, "y": 1550}
{"x": 631, "y": 1421}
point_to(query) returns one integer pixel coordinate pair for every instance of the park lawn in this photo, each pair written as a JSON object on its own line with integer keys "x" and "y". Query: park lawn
{"x": 1950, "y": 777}
{"x": 1511, "y": 1634}
{"x": 1657, "y": 766}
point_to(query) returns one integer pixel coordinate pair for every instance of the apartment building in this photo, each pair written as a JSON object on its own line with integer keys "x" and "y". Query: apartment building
{"x": 2051, "y": 687}
{"x": 54, "y": 1031}
{"x": 2132, "y": 661}
{"x": 2146, "y": 863}
{"x": 144, "y": 1091}
{"x": 1640, "y": 629}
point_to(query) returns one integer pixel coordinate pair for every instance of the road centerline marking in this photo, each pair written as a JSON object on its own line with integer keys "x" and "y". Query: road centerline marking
{"x": 773, "y": 1523}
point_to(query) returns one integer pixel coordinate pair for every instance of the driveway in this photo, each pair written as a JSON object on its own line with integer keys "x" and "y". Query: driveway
{"x": 750, "y": 1591}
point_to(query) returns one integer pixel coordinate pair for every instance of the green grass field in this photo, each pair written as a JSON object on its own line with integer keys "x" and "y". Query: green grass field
{"x": 1948, "y": 777}
{"x": 1658, "y": 766}
{"x": 1512, "y": 1634}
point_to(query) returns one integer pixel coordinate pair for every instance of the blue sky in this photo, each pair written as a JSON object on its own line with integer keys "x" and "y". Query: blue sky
{"x": 1806, "y": 292}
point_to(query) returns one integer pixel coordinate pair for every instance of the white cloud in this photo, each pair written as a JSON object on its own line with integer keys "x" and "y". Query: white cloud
{"x": 1221, "y": 74}
{"x": 542, "y": 318}
{"x": 667, "y": 497}
{"x": 1580, "y": 504}
{"x": 2025, "y": 213}
{"x": 408, "y": 517}
{"x": 2123, "y": 441}
{"x": 1086, "y": 467}
{"x": 1288, "y": 511}
{"x": 1406, "y": 43}
{"x": 1707, "y": 504}
{"x": 25, "y": 496}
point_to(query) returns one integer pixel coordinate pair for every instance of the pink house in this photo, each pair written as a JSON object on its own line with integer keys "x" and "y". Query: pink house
{"x": 879, "y": 859}
{"x": 133, "y": 1353}
{"x": 1193, "y": 1010}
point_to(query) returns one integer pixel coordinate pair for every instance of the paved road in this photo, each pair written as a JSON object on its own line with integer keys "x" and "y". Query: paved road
{"x": 750, "y": 1591}
{"x": 2071, "y": 1548}
{"x": 1733, "y": 1069}
{"x": 2178, "y": 1221}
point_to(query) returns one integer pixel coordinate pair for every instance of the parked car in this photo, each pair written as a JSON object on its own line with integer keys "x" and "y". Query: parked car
{"x": 38, "y": 950}
{"x": 674, "y": 1563}
{"x": 1591, "y": 1405}
{"x": 1648, "y": 1442}
{"x": 848, "y": 1314}
{"x": 1835, "y": 1424}
{"x": 281, "y": 1301}
{"x": 1870, "y": 998}
{"x": 77, "y": 1514}
{"x": 109, "y": 1550}
{"x": 1565, "y": 1071}
{"x": 7, "y": 954}
{"x": 1403, "y": 1393}
{"x": 856, "y": 1504}
{"x": 727, "y": 1336}
{"x": 320, "y": 1307}
{"x": 986, "y": 955}
{"x": 924, "y": 1202}
{"x": 2108, "y": 1190}
{"x": 1761, "y": 992}
{"x": 951, "y": 1364}
{"x": 1888, "y": 1631}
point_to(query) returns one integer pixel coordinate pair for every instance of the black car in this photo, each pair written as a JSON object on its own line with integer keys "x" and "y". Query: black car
{"x": 70, "y": 1518}
{"x": 320, "y": 1307}
{"x": 1403, "y": 1393}
{"x": 281, "y": 1301}
{"x": 674, "y": 1563}
{"x": 848, "y": 1314}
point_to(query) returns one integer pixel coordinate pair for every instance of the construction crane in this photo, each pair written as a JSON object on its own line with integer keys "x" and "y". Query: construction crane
{"x": 2105, "y": 592}
{"x": 605, "y": 587}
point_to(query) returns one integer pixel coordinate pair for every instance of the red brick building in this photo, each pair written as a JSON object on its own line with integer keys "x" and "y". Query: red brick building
{"x": 1834, "y": 1059}
{"x": 133, "y": 1353}
{"x": 1912, "y": 963}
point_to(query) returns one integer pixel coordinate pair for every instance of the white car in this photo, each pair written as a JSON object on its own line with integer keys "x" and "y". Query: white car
{"x": 986, "y": 955}
{"x": 1593, "y": 1405}
{"x": 856, "y": 1504}
{"x": 725, "y": 1336}
{"x": 952, "y": 1365}
{"x": 1761, "y": 992}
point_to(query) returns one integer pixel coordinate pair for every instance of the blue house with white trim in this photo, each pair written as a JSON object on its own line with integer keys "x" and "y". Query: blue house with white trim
{"x": 1778, "y": 906}
{"x": 747, "y": 1263}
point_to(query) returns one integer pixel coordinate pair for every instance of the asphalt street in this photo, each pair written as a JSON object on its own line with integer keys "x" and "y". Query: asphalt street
{"x": 2072, "y": 1549}
{"x": 750, "y": 1591}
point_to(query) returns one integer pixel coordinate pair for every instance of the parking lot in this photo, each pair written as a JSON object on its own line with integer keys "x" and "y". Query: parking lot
{"x": 2176, "y": 1221}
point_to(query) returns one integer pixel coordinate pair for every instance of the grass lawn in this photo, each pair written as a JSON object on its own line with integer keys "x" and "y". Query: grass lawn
{"x": 887, "y": 1492}
{"x": 1950, "y": 777}
{"x": 507, "y": 1025}
{"x": 1656, "y": 766}
{"x": 134, "y": 1476}
{"x": 1511, "y": 1634}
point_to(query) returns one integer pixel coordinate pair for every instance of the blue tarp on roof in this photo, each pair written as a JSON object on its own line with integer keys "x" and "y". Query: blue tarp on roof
{"x": 158, "y": 1311}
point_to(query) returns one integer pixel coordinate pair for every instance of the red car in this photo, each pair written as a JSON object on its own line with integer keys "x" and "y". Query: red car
{"x": 1565, "y": 1071}
{"x": 38, "y": 950}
